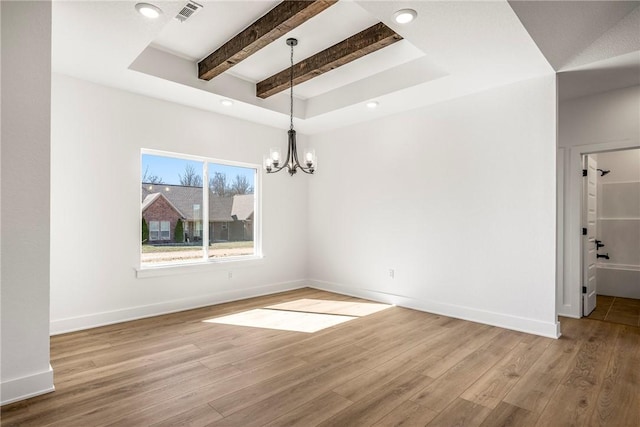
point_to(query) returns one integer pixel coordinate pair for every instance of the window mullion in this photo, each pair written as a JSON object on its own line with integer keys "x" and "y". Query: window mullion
{"x": 205, "y": 210}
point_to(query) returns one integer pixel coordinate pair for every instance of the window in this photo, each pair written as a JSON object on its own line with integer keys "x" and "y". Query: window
{"x": 196, "y": 209}
{"x": 164, "y": 230}
{"x": 154, "y": 230}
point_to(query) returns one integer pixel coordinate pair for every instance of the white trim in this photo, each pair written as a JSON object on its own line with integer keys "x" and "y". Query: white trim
{"x": 522, "y": 324}
{"x": 619, "y": 182}
{"x": 561, "y": 161}
{"x": 198, "y": 158}
{"x": 27, "y": 386}
{"x": 61, "y": 326}
{"x": 626, "y": 267}
{"x": 205, "y": 211}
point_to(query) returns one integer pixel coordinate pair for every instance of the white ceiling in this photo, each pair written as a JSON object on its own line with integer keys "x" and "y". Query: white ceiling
{"x": 564, "y": 29}
{"x": 450, "y": 50}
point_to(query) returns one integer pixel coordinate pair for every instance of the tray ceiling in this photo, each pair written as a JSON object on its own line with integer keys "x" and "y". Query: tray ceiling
{"x": 450, "y": 50}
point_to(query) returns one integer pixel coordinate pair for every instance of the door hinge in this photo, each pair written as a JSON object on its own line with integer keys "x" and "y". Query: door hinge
{"x": 584, "y": 231}
{"x": 584, "y": 172}
{"x": 584, "y": 289}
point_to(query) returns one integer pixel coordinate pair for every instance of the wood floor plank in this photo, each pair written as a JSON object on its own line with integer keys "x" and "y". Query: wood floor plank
{"x": 63, "y": 410}
{"x": 493, "y": 386}
{"x": 288, "y": 399}
{"x": 377, "y": 404}
{"x": 444, "y": 390}
{"x": 312, "y": 413}
{"x": 506, "y": 415}
{"x": 418, "y": 357}
{"x": 210, "y": 391}
{"x": 164, "y": 410}
{"x": 461, "y": 413}
{"x": 126, "y": 369}
{"x": 251, "y": 395}
{"x": 535, "y": 387}
{"x": 381, "y": 371}
{"x": 619, "y": 399}
{"x": 407, "y": 414}
{"x": 180, "y": 370}
{"x": 450, "y": 352}
{"x": 575, "y": 398}
{"x": 198, "y": 416}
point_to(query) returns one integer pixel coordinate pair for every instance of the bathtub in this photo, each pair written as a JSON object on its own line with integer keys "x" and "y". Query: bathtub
{"x": 618, "y": 280}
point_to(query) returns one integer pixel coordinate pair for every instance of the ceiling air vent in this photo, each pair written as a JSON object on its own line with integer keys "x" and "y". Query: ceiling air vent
{"x": 188, "y": 11}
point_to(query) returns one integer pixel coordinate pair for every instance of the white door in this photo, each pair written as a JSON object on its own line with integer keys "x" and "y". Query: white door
{"x": 589, "y": 223}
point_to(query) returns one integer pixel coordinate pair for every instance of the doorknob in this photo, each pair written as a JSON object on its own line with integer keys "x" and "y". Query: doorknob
{"x": 605, "y": 256}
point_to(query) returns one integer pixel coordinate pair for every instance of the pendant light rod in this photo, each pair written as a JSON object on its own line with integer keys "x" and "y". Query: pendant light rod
{"x": 291, "y": 42}
{"x": 272, "y": 162}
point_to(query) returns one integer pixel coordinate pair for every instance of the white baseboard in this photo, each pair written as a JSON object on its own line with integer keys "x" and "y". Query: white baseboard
{"x": 522, "y": 324}
{"x": 61, "y": 326}
{"x": 567, "y": 310}
{"x": 26, "y": 387}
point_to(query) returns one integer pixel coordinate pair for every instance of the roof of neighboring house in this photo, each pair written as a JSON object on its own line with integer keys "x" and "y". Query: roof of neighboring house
{"x": 220, "y": 208}
{"x": 242, "y": 206}
{"x": 183, "y": 199}
{"x": 151, "y": 199}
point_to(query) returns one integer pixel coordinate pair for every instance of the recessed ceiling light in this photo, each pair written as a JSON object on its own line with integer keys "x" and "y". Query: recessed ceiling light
{"x": 372, "y": 104}
{"x": 404, "y": 16}
{"x": 226, "y": 102}
{"x": 148, "y": 10}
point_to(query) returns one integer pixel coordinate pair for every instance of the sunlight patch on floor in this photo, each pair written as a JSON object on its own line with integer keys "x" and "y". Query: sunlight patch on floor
{"x": 283, "y": 320}
{"x": 346, "y": 308}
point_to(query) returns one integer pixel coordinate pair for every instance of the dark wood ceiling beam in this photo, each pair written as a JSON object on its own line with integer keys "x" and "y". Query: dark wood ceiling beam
{"x": 365, "y": 42}
{"x": 274, "y": 24}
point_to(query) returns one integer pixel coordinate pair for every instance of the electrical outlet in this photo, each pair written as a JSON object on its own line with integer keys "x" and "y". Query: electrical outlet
{"x": 230, "y": 275}
{"x": 392, "y": 273}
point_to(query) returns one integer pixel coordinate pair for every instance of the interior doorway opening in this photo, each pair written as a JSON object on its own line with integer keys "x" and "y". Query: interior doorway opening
{"x": 610, "y": 284}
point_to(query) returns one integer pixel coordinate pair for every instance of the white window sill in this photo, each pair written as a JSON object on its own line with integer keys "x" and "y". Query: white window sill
{"x": 197, "y": 267}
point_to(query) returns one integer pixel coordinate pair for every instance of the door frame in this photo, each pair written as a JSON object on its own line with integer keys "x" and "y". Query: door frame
{"x": 569, "y": 221}
{"x": 589, "y": 239}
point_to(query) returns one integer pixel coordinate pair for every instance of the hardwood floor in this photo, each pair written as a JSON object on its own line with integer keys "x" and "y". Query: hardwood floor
{"x": 617, "y": 310}
{"x": 390, "y": 368}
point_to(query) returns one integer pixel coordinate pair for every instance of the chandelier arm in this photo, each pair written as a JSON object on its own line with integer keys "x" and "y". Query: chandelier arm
{"x": 307, "y": 170}
{"x": 274, "y": 169}
{"x": 294, "y": 149}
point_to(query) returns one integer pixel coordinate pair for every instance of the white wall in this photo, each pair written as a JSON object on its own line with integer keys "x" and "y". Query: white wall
{"x": 26, "y": 96}
{"x": 458, "y": 199}
{"x": 97, "y": 134}
{"x": 590, "y": 124}
{"x": 604, "y": 118}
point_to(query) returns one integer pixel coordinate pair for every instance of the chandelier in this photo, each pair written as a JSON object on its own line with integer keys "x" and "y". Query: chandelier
{"x": 272, "y": 162}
